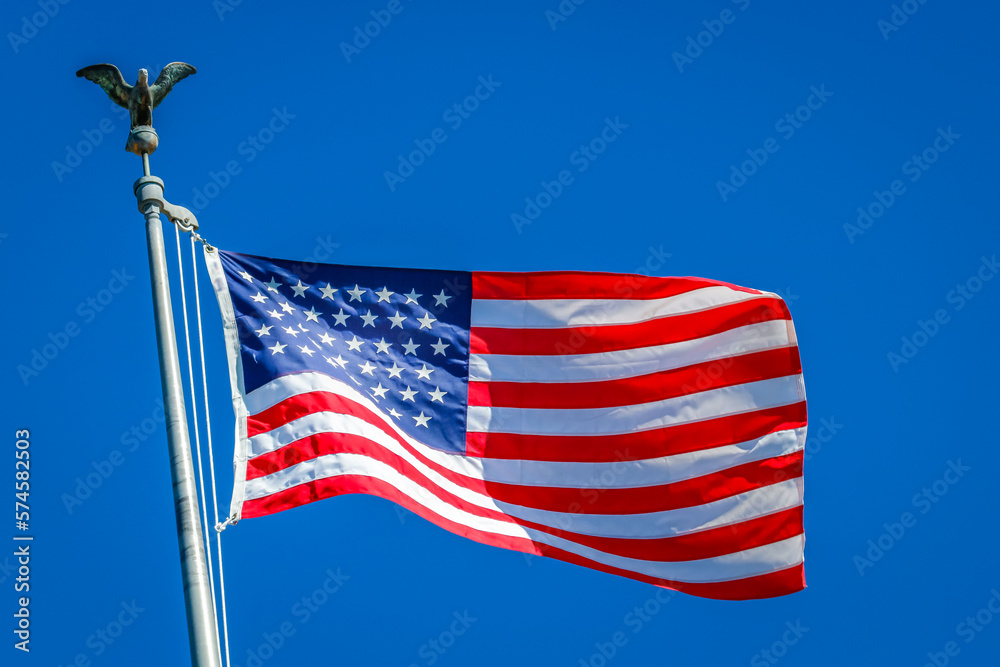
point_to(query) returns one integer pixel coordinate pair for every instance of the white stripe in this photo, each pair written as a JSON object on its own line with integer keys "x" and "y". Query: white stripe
{"x": 628, "y": 363}
{"x": 561, "y": 313}
{"x": 645, "y": 472}
{"x": 703, "y": 405}
{"x": 738, "y": 565}
{"x": 614, "y": 474}
{"x": 668, "y": 523}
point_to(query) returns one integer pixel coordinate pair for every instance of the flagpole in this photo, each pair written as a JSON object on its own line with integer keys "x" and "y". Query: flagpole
{"x": 202, "y": 626}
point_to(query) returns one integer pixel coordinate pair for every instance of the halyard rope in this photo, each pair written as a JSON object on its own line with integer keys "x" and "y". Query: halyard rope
{"x": 178, "y": 227}
{"x": 208, "y": 426}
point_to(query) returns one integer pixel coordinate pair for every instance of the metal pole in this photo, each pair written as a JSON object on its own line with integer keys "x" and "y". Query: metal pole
{"x": 202, "y": 629}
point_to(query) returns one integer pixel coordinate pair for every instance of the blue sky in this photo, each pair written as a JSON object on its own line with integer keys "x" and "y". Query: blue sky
{"x": 749, "y": 135}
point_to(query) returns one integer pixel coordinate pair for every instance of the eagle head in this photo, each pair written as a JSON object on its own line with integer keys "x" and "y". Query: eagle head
{"x": 143, "y": 76}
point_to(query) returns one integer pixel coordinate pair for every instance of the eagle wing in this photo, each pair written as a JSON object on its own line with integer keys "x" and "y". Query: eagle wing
{"x": 110, "y": 79}
{"x": 170, "y": 75}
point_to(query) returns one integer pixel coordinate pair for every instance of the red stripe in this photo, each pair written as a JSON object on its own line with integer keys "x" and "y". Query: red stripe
{"x": 608, "y": 338}
{"x": 710, "y": 543}
{"x": 632, "y": 500}
{"x": 640, "y": 389}
{"x": 670, "y": 440}
{"x": 641, "y": 500}
{"x": 583, "y": 285}
{"x": 761, "y": 586}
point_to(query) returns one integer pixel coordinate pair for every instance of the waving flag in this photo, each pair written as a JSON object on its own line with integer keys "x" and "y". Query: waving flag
{"x": 647, "y": 427}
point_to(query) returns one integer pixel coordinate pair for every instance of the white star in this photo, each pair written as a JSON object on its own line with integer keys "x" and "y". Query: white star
{"x": 383, "y": 346}
{"x": 302, "y": 328}
{"x": 440, "y": 346}
{"x": 392, "y": 411}
{"x": 438, "y": 395}
{"x": 397, "y": 321}
{"x": 412, "y": 296}
{"x": 300, "y": 289}
{"x": 273, "y": 285}
{"x": 337, "y": 361}
{"x": 326, "y": 338}
{"x": 367, "y": 368}
{"x": 341, "y": 317}
{"x": 424, "y": 373}
{"x": 408, "y": 394}
{"x": 275, "y": 313}
{"x": 277, "y": 348}
{"x": 259, "y": 298}
{"x": 290, "y": 331}
{"x": 311, "y": 315}
{"x": 355, "y": 293}
{"x": 328, "y": 291}
{"x": 411, "y": 347}
{"x": 369, "y": 319}
{"x": 264, "y": 330}
{"x": 379, "y": 391}
{"x": 422, "y": 420}
{"x": 395, "y": 371}
{"x": 287, "y": 307}
{"x": 355, "y": 344}
{"x": 384, "y": 294}
{"x": 246, "y": 275}
{"x": 426, "y": 321}
{"x": 307, "y": 350}
{"x": 441, "y": 299}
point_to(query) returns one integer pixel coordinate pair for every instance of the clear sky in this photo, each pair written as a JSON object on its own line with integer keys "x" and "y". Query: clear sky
{"x": 748, "y": 136}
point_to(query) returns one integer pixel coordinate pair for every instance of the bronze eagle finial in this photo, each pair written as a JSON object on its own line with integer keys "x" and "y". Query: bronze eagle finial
{"x": 142, "y": 98}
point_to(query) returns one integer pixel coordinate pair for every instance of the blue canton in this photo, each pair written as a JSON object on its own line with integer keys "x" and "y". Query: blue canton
{"x": 399, "y": 336}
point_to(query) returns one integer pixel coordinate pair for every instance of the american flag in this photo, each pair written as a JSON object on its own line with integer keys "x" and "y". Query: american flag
{"x": 647, "y": 427}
